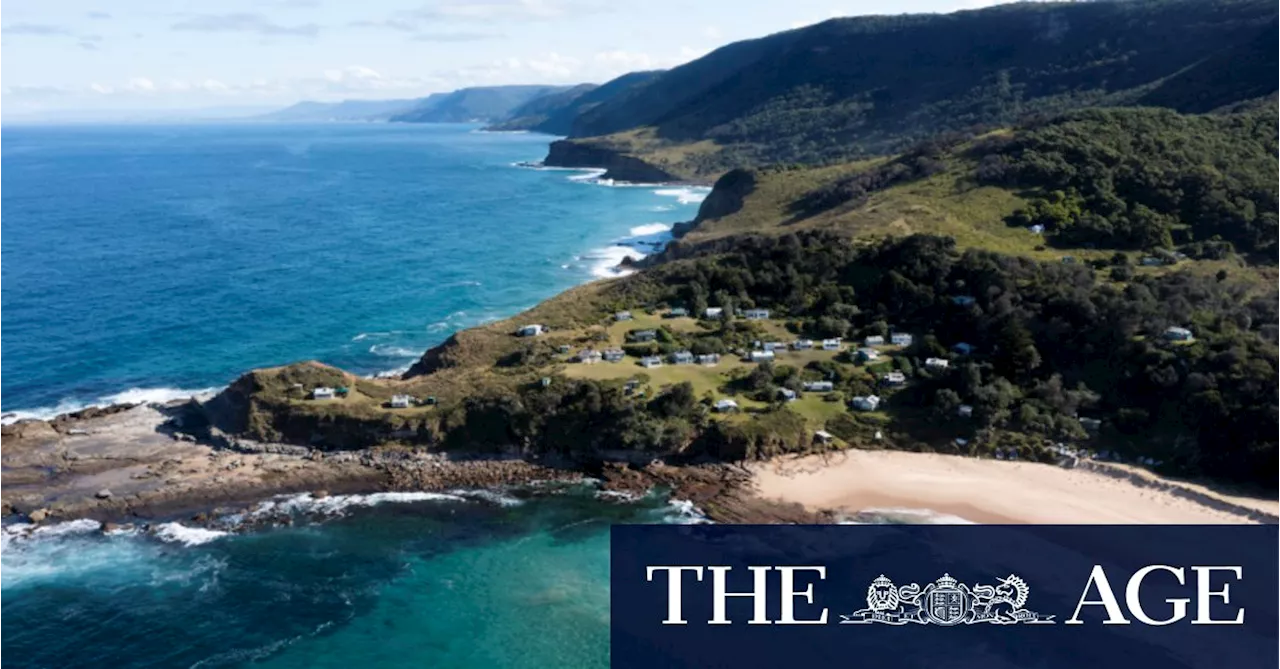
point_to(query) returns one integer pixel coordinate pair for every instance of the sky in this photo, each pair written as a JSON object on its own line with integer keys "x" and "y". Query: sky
{"x": 97, "y": 55}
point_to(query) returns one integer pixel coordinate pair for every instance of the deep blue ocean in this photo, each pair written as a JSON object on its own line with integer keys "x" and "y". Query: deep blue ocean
{"x": 148, "y": 263}
{"x": 145, "y": 262}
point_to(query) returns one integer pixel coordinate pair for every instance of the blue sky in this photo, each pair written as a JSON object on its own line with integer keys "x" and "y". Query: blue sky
{"x": 179, "y": 54}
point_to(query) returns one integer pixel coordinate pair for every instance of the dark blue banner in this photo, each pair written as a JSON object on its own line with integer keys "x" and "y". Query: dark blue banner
{"x": 886, "y": 596}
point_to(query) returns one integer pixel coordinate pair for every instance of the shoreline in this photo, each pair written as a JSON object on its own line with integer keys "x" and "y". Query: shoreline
{"x": 888, "y": 483}
{"x": 153, "y": 472}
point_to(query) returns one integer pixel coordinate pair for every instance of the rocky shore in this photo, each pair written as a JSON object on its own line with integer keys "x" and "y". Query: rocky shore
{"x": 126, "y": 464}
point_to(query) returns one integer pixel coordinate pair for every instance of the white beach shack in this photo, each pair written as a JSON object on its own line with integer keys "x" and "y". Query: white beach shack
{"x": 709, "y": 359}
{"x": 901, "y": 339}
{"x": 682, "y": 358}
{"x": 937, "y": 363}
{"x": 726, "y": 405}
{"x": 622, "y": 316}
{"x": 802, "y": 344}
{"x": 868, "y": 354}
{"x": 762, "y": 356}
{"x": 614, "y": 355}
{"x": 323, "y": 393}
{"x": 713, "y": 313}
{"x": 1178, "y": 334}
{"x": 819, "y": 386}
{"x": 401, "y": 401}
{"x": 894, "y": 379}
{"x": 868, "y": 403}
{"x": 873, "y": 340}
{"x": 787, "y": 394}
{"x": 651, "y": 361}
{"x": 832, "y": 344}
{"x": 589, "y": 356}
{"x": 644, "y": 335}
{"x": 756, "y": 314}
{"x": 531, "y": 330}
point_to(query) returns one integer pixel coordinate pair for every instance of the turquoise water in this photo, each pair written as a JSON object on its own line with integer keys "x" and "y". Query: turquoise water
{"x": 143, "y": 263}
{"x": 518, "y": 580}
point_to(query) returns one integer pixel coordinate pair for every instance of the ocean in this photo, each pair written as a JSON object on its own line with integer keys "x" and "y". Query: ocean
{"x": 146, "y": 263}
{"x": 474, "y": 579}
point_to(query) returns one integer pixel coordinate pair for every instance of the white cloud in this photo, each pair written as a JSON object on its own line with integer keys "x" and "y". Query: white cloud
{"x": 141, "y": 85}
{"x": 101, "y": 89}
{"x": 243, "y": 22}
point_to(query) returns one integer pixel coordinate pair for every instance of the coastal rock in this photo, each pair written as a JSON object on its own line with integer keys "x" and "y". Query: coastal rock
{"x": 103, "y": 494}
{"x": 39, "y": 515}
{"x": 320, "y": 494}
{"x": 617, "y": 166}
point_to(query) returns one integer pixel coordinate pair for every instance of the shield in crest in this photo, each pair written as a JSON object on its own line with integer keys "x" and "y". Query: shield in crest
{"x": 947, "y": 606}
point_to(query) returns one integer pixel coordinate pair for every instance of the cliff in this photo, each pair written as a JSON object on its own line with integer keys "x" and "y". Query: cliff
{"x": 617, "y": 165}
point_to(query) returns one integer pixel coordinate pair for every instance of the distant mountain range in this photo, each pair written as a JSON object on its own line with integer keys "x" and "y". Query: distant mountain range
{"x": 347, "y": 110}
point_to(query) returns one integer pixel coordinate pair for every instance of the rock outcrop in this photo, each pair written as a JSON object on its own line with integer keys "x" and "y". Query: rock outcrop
{"x": 618, "y": 166}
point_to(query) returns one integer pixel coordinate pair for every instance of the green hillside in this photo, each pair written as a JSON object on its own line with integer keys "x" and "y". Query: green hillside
{"x": 863, "y": 86}
{"x": 482, "y": 103}
{"x": 555, "y": 113}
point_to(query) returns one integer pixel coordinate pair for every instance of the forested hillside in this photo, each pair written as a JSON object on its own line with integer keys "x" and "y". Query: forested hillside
{"x": 873, "y": 85}
{"x": 1045, "y": 343}
{"x": 555, "y": 113}
{"x": 483, "y": 103}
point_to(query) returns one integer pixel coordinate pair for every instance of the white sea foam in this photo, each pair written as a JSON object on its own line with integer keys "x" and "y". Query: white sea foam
{"x": 903, "y": 516}
{"x": 338, "y": 504}
{"x": 685, "y": 194}
{"x": 130, "y": 396}
{"x": 604, "y": 262}
{"x": 650, "y": 229}
{"x": 492, "y": 496}
{"x": 683, "y": 512}
{"x": 188, "y": 536}
{"x": 663, "y": 207}
{"x": 588, "y": 174}
{"x": 389, "y": 351}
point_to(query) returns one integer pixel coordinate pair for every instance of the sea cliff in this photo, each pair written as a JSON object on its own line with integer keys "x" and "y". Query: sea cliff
{"x": 617, "y": 165}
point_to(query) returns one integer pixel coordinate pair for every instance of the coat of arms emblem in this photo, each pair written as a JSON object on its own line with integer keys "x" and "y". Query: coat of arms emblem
{"x": 947, "y": 602}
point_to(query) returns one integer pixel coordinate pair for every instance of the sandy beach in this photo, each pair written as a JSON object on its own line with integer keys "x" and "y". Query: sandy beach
{"x": 992, "y": 491}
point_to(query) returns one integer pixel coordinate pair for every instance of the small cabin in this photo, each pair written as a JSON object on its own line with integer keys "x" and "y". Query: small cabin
{"x": 531, "y": 330}
{"x": 1178, "y": 334}
{"x": 787, "y": 394}
{"x": 868, "y": 354}
{"x": 644, "y": 335}
{"x": 965, "y": 411}
{"x": 762, "y": 356}
{"x": 1091, "y": 425}
{"x": 401, "y": 401}
{"x": 962, "y": 348}
{"x": 756, "y": 314}
{"x": 1037, "y": 229}
{"x": 650, "y": 361}
{"x": 823, "y": 437}
{"x": 819, "y": 386}
{"x": 775, "y": 346}
{"x": 678, "y": 312}
{"x": 546, "y": 381}
{"x": 868, "y": 403}
{"x": 726, "y": 406}
{"x": 713, "y": 313}
{"x": 622, "y": 316}
{"x": 589, "y": 356}
{"x": 901, "y": 339}
{"x": 564, "y": 348}
{"x": 802, "y": 344}
{"x": 963, "y": 300}
{"x": 832, "y": 344}
{"x": 894, "y": 378}
{"x": 709, "y": 359}
{"x": 873, "y": 340}
{"x": 682, "y": 358}
{"x": 323, "y": 393}
{"x": 614, "y": 355}
{"x": 937, "y": 363}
